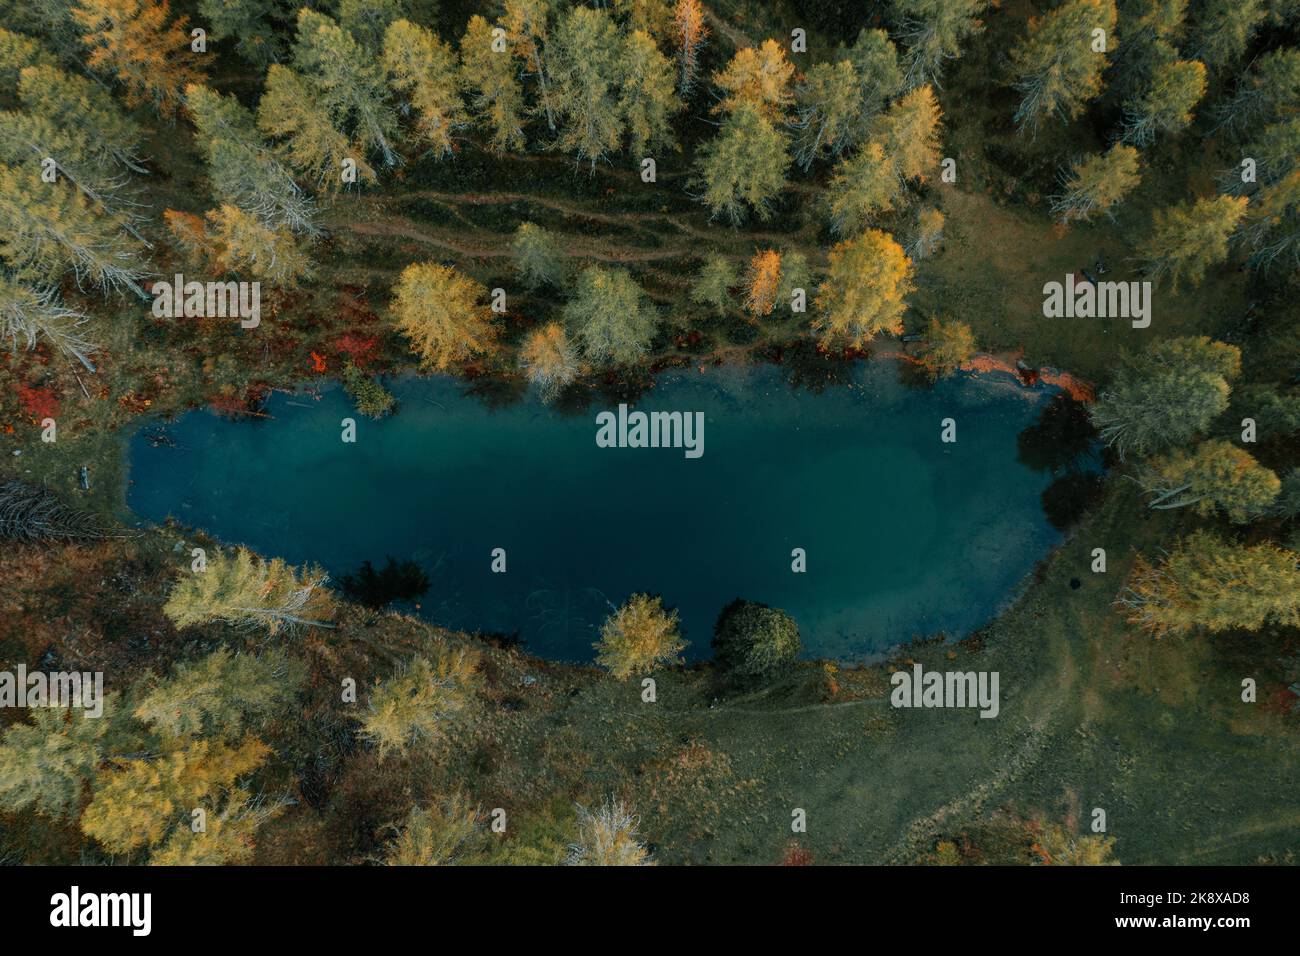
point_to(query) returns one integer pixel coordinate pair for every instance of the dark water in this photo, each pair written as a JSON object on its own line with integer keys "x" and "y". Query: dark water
{"x": 905, "y": 536}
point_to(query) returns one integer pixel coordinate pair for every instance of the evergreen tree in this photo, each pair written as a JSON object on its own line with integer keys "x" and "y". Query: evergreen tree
{"x": 610, "y": 316}
{"x": 713, "y": 284}
{"x": 1215, "y": 475}
{"x": 442, "y": 312}
{"x": 550, "y": 359}
{"x": 1056, "y": 68}
{"x": 1221, "y": 30}
{"x": 639, "y": 637}
{"x": 1269, "y": 92}
{"x": 423, "y": 68}
{"x": 368, "y": 20}
{"x": 864, "y": 289}
{"x": 757, "y": 77}
{"x": 1189, "y": 238}
{"x": 1095, "y": 184}
{"x": 255, "y": 27}
{"x": 743, "y": 167}
{"x": 539, "y": 260}
{"x": 18, "y": 52}
{"x": 933, "y": 31}
{"x": 417, "y": 704}
{"x": 1275, "y": 150}
{"x": 491, "y": 78}
{"x": 244, "y": 590}
{"x": 1165, "y": 106}
{"x": 1272, "y": 223}
{"x": 134, "y": 41}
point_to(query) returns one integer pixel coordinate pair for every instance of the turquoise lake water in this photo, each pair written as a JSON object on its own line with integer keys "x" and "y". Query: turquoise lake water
{"x": 905, "y": 536}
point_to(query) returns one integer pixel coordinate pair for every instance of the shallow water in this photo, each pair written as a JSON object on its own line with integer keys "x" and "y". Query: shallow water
{"x": 905, "y": 536}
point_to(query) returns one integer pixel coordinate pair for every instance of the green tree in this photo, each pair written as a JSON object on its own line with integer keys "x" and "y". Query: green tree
{"x": 752, "y": 641}
{"x": 244, "y": 590}
{"x": 1057, "y": 66}
{"x": 1095, "y": 184}
{"x": 418, "y": 704}
{"x": 309, "y": 142}
{"x": 639, "y": 637}
{"x": 423, "y": 68}
{"x": 255, "y": 27}
{"x": 610, "y": 316}
{"x": 496, "y": 97}
{"x": 1272, "y": 224}
{"x": 909, "y": 133}
{"x": 1214, "y": 475}
{"x": 228, "y": 836}
{"x": 585, "y": 66}
{"x": 948, "y": 346}
{"x": 1166, "y": 396}
{"x": 1221, "y": 30}
{"x": 647, "y": 99}
{"x": 864, "y": 185}
{"x": 714, "y": 282}
{"x": 448, "y": 833}
{"x": 1189, "y": 238}
{"x": 1216, "y": 585}
{"x": 1165, "y": 105}
{"x": 539, "y": 260}
{"x": 827, "y": 113}
{"x": 879, "y": 71}
{"x": 864, "y": 290}
{"x": 368, "y": 20}
{"x": 743, "y": 167}
{"x": 442, "y": 312}
{"x": 1275, "y": 151}
{"x": 690, "y": 33}
{"x": 795, "y": 274}
{"x": 934, "y": 31}
{"x": 1269, "y": 92}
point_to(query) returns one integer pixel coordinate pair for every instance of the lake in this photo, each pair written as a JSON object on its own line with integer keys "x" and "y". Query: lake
{"x": 904, "y": 535}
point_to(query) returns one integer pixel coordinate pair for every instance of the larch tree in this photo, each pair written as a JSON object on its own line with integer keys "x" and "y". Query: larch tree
{"x": 585, "y": 65}
{"x": 255, "y": 27}
{"x": 949, "y": 344}
{"x": 550, "y": 359}
{"x": 753, "y": 642}
{"x": 1272, "y": 224}
{"x": 607, "y": 836}
{"x": 926, "y": 234}
{"x": 879, "y": 71}
{"x": 443, "y": 313}
{"x": 1268, "y": 92}
{"x": 51, "y": 20}
{"x": 309, "y": 142}
{"x": 1095, "y": 184}
{"x": 653, "y": 17}
{"x": 1057, "y": 66}
{"x": 909, "y": 133}
{"x": 491, "y": 78}
{"x": 638, "y": 637}
{"x": 527, "y": 24}
{"x": 933, "y": 31}
{"x": 228, "y": 837}
{"x": 244, "y": 245}
{"x": 539, "y": 259}
{"x": 1189, "y": 238}
{"x": 1276, "y": 151}
{"x": 418, "y": 703}
{"x": 863, "y": 186}
{"x": 690, "y": 33}
{"x": 17, "y": 53}
{"x": 1221, "y": 30}
{"x": 1165, "y": 106}
{"x": 1216, "y": 585}
{"x": 743, "y": 167}
{"x": 759, "y": 77}
{"x": 244, "y": 590}
{"x": 762, "y": 282}
{"x": 610, "y": 316}
{"x": 138, "y": 43}
{"x": 713, "y": 283}
{"x": 647, "y": 98}
{"x": 422, "y": 68}
{"x": 32, "y": 313}
{"x": 864, "y": 291}
{"x": 827, "y": 112}
{"x": 368, "y": 20}
{"x": 796, "y": 278}
{"x": 1214, "y": 476}
{"x": 443, "y": 834}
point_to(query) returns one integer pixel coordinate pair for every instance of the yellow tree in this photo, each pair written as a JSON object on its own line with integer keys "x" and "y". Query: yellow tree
{"x": 245, "y": 590}
{"x": 442, "y": 312}
{"x": 133, "y": 40}
{"x": 759, "y": 76}
{"x": 864, "y": 290}
{"x": 607, "y": 836}
{"x": 491, "y": 78}
{"x": 245, "y": 246}
{"x": 638, "y": 637}
{"x": 417, "y": 703}
{"x": 689, "y": 35}
{"x": 949, "y": 345}
{"x": 445, "y": 834}
{"x": 423, "y": 68}
{"x": 763, "y": 282}
{"x": 550, "y": 359}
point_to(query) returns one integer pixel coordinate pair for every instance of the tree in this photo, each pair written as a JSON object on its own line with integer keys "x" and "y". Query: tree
{"x": 1272, "y": 224}
{"x": 926, "y": 235}
{"x": 1217, "y": 585}
{"x": 864, "y": 185}
{"x": 752, "y": 641}
{"x": 255, "y": 27}
{"x": 32, "y": 513}
{"x": 828, "y": 111}
{"x": 909, "y": 133}
{"x": 1189, "y": 238}
{"x": 646, "y": 95}
{"x": 795, "y": 275}
{"x": 368, "y": 20}
{"x": 743, "y": 167}
{"x": 585, "y": 69}
{"x": 417, "y": 704}
{"x": 30, "y": 313}
{"x": 1056, "y": 68}
{"x": 310, "y": 143}
{"x": 607, "y": 836}
{"x": 1166, "y": 105}
{"x": 539, "y": 260}
{"x": 133, "y": 40}
{"x": 423, "y": 68}
{"x": 864, "y": 290}
{"x": 1215, "y": 475}
{"x": 221, "y": 695}
{"x": 639, "y": 637}
{"x": 346, "y": 82}
{"x": 492, "y": 80}
{"x": 1271, "y": 91}
{"x": 18, "y": 52}
{"x": 243, "y": 170}
{"x": 713, "y": 284}
{"x": 228, "y": 835}
{"x": 1222, "y": 30}
{"x": 550, "y": 359}
{"x": 948, "y": 346}
{"x": 246, "y": 591}
{"x": 527, "y": 23}
{"x": 441, "y": 311}
{"x": 445, "y": 834}
{"x": 689, "y": 36}
{"x": 243, "y": 245}
{"x": 934, "y": 31}
{"x": 1095, "y": 184}
{"x": 1166, "y": 396}
{"x": 757, "y": 77}
{"x": 879, "y": 73}
{"x": 1275, "y": 151}
{"x": 610, "y": 316}
{"x": 762, "y": 282}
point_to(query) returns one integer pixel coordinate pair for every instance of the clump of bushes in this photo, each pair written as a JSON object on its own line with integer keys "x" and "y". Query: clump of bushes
{"x": 370, "y": 397}
{"x": 753, "y": 642}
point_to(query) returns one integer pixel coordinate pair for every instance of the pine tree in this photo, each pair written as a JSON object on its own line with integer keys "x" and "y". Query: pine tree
{"x": 242, "y": 244}
{"x": 442, "y": 312}
{"x": 610, "y": 316}
{"x": 1056, "y": 68}
{"x": 417, "y": 704}
{"x": 743, "y": 167}
{"x": 30, "y": 313}
{"x": 758, "y": 77}
{"x": 310, "y": 144}
{"x": 762, "y": 282}
{"x": 1216, "y": 475}
{"x": 539, "y": 260}
{"x": 689, "y": 36}
{"x": 948, "y": 346}
{"x": 492, "y": 80}
{"x": 1216, "y": 585}
{"x": 647, "y": 99}
{"x": 243, "y": 170}
{"x": 713, "y": 284}
{"x": 550, "y": 359}
{"x": 1189, "y": 238}
{"x": 864, "y": 185}
{"x": 1095, "y": 184}
{"x": 909, "y": 133}
{"x": 133, "y": 40}
{"x": 423, "y": 68}
{"x": 246, "y": 591}
{"x": 445, "y": 834}
{"x": 1165, "y": 106}
{"x": 934, "y": 31}
{"x": 639, "y": 637}
{"x": 864, "y": 290}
